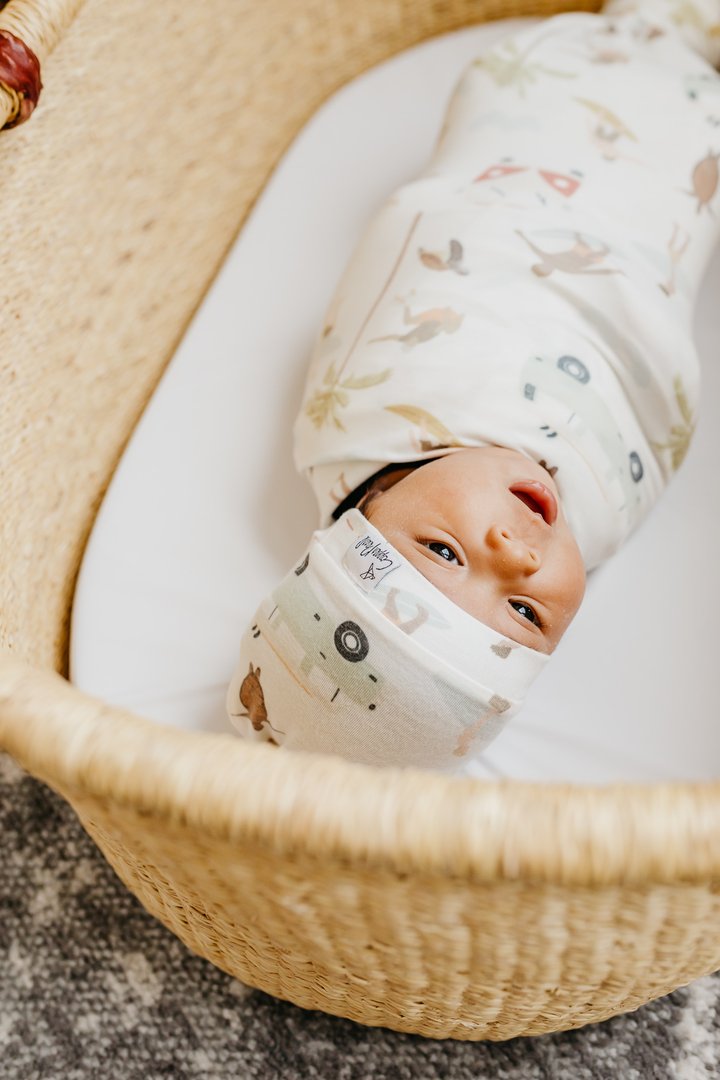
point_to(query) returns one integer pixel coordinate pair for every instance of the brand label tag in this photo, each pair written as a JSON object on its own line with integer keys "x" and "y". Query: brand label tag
{"x": 368, "y": 560}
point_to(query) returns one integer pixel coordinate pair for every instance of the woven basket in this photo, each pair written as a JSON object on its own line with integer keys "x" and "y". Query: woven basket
{"x": 449, "y": 908}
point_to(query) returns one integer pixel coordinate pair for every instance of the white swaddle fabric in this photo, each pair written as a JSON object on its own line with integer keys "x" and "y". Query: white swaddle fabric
{"x": 356, "y": 653}
{"x": 535, "y": 287}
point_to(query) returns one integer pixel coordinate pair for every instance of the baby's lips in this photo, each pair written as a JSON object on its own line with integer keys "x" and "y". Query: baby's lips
{"x": 536, "y": 492}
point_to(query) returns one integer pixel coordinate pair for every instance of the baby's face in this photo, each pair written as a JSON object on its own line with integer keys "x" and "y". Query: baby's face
{"x": 486, "y": 527}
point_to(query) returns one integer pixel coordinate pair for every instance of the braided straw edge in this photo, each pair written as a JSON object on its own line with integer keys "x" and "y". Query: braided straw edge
{"x": 412, "y": 820}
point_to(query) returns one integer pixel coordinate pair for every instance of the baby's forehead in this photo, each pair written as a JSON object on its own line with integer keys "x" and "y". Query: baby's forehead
{"x": 468, "y": 464}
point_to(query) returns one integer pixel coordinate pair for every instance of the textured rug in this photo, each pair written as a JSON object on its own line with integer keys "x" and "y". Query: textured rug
{"x": 92, "y": 986}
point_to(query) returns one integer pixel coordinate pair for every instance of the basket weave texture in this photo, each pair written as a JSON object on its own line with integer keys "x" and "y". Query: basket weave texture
{"x": 449, "y": 908}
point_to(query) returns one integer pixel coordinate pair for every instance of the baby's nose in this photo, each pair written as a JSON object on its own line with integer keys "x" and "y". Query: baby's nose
{"x": 510, "y": 552}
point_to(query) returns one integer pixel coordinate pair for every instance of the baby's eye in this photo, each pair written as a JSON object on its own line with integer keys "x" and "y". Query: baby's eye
{"x": 442, "y": 550}
{"x": 527, "y": 611}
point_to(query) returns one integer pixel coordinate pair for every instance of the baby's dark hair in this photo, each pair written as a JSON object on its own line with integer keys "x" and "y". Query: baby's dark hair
{"x": 378, "y": 484}
{"x": 371, "y": 495}
{"x": 364, "y": 494}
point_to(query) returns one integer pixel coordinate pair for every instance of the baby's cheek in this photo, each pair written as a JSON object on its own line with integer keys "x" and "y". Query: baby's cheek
{"x": 566, "y": 614}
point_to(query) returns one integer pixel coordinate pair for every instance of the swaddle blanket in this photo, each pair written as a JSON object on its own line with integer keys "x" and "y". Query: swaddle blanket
{"x": 533, "y": 289}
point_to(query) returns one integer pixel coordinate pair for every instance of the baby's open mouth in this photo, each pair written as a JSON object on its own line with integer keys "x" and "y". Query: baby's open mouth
{"x": 538, "y": 498}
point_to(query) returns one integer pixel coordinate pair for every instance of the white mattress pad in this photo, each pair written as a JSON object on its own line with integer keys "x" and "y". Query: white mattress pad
{"x": 205, "y": 512}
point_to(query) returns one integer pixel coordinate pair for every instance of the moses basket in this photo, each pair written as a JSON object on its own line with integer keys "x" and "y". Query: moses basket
{"x": 444, "y": 907}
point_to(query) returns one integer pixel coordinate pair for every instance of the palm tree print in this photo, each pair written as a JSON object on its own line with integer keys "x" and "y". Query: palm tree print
{"x": 323, "y": 407}
{"x": 680, "y": 434}
{"x": 325, "y": 404}
{"x": 513, "y": 69}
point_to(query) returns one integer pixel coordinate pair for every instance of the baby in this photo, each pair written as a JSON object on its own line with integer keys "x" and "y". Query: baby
{"x": 504, "y": 386}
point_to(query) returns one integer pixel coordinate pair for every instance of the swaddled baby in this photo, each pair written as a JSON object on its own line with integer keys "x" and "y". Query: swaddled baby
{"x": 505, "y": 384}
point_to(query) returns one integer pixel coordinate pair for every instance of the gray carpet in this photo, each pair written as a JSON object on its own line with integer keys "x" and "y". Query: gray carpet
{"x": 91, "y": 986}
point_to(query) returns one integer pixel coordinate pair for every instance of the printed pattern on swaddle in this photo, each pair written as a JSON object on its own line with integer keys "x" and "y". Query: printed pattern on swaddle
{"x": 535, "y": 287}
{"x": 356, "y": 653}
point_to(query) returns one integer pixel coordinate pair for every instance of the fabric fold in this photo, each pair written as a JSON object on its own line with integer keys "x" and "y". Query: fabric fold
{"x": 356, "y": 653}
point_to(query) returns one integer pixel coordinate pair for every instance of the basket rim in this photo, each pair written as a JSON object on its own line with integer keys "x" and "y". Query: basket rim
{"x": 404, "y": 820}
